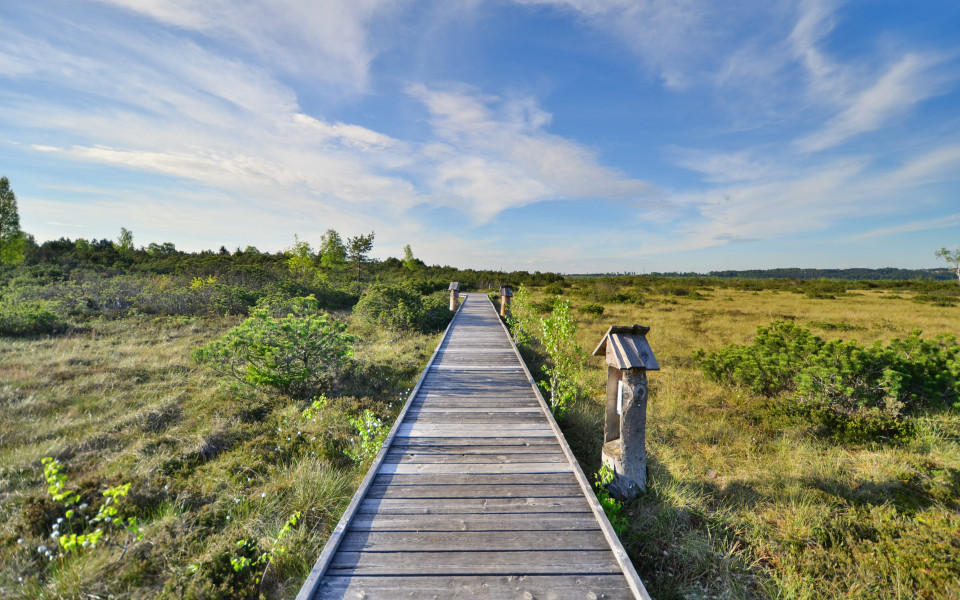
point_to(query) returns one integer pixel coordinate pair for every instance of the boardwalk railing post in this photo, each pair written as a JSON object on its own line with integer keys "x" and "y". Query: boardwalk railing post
{"x": 628, "y": 358}
{"x": 454, "y": 295}
{"x": 506, "y": 295}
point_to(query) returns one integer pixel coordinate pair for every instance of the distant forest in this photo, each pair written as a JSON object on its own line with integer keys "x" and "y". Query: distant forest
{"x": 857, "y": 274}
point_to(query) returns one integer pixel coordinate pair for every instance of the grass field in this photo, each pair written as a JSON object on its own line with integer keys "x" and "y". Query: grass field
{"x": 209, "y": 464}
{"x": 747, "y": 502}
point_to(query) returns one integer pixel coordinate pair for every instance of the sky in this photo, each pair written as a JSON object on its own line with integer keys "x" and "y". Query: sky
{"x": 574, "y": 136}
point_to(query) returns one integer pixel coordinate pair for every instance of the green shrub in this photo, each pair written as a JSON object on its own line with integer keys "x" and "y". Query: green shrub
{"x": 554, "y": 289}
{"x": 936, "y": 300}
{"x": 29, "y": 318}
{"x": 401, "y": 308}
{"x": 591, "y": 309}
{"x": 853, "y": 391}
{"x": 390, "y": 306}
{"x": 296, "y": 353}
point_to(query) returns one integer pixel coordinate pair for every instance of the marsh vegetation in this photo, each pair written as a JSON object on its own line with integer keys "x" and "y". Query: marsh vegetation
{"x": 174, "y": 378}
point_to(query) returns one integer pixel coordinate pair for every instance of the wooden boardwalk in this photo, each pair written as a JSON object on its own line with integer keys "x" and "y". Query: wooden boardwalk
{"x": 475, "y": 493}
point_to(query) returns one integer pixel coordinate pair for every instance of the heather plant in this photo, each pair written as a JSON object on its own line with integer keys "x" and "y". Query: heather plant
{"x": 294, "y": 354}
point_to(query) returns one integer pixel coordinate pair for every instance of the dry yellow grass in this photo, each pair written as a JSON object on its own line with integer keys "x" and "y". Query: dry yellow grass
{"x": 748, "y": 503}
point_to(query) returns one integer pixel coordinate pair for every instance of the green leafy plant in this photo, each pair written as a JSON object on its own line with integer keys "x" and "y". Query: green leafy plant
{"x": 108, "y": 515}
{"x": 371, "y": 432}
{"x": 522, "y": 319}
{"x": 613, "y": 508}
{"x": 294, "y": 353}
{"x": 565, "y": 368}
{"x": 318, "y": 404}
{"x": 243, "y": 561}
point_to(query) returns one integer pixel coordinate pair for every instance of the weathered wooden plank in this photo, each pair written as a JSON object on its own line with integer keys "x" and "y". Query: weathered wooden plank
{"x": 581, "y": 521}
{"x": 476, "y": 496}
{"x": 487, "y": 587}
{"x": 479, "y": 479}
{"x": 466, "y": 541}
{"x": 475, "y": 442}
{"x": 473, "y": 491}
{"x": 483, "y": 417}
{"x": 458, "y": 408}
{"x": 470, "y": 469}
{"x": 462, "y": 431}
{"x": 473, "y": 506}
{"x": 439, "y": 458}
{"x": 503, "y": 562}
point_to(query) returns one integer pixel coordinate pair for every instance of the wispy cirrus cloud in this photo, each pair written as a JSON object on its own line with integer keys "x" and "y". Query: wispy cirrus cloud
{"x": 921, "y": 225}
{"x": 494, "y": 154}
{"x": 810, "y": 199}
{"x": 903, "y": 85}
{"x": 330, "y": 40}
{"x": 165, "y": 104}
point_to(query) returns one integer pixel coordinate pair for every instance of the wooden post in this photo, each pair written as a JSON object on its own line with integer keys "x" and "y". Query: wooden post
{"x": 454, "y": 295}
{"x": 506, "y": 296}
{"x": 628, "y": 358}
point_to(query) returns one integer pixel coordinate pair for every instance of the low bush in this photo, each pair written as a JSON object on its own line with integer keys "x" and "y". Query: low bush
{"x": 591, "y": 309}
{"x": 29, "y": 318}
{"x": 296, "y": 353}
{"x": 401, "y": 308}
{"x": 936, "y": 300}
{"x": 855, "y": 392}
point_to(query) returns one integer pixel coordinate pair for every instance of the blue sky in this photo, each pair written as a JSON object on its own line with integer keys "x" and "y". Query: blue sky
{"x": 565, "y": 135}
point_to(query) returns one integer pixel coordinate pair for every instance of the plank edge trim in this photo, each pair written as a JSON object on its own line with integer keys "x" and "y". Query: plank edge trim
{"x": 309, "y": 587}
{"x": 619, "y": 552}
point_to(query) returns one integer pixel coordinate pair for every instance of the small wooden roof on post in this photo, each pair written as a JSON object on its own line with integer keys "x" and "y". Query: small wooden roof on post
{"x": 506, "y": 291}
{"x": 454, "y": 286}
{"x": 627, "y": 348}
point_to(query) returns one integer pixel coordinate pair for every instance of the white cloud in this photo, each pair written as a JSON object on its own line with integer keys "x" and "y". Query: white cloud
{"x": 676, "y": 40}
{"x": 904, "y": 84}
{"x": 723, "y": 167}
{"x": 330, "y": 40}
{"x": 495, "y": 155}
{"x": 922, "y": 225}
{"x": 814, "y": 198}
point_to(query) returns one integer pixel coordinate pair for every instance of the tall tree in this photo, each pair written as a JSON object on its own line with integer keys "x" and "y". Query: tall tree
{"x": 952, "y": 258}
{"x": 358, "y": 248}
{"x": 333, "y": 254}
{"x": 300, "y": 259}
{"x": 409, "y": 262}
{"x": 12, "y": 238}
{"x": 125, "y": 242}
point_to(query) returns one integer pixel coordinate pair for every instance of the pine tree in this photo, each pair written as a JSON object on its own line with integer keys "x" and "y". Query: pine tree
{"x": 11, "y": 237}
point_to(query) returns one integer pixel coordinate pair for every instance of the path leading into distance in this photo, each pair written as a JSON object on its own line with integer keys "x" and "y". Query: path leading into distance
{"x": 476, "y": 494}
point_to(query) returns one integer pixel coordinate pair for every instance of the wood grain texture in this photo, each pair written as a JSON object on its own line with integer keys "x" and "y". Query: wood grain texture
{"x": 475, "y": 496}
{"x": 486, "y": 587}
